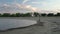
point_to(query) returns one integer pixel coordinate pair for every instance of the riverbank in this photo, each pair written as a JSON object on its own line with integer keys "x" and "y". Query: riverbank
{"x": 35, "y": 29}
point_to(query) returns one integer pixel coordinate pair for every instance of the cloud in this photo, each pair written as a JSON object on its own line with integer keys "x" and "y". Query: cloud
{"x": 13, "y": 8}
{"x": 25, "y": 1}
{"x": 6, "y": 5}
{"x": 27, "y": 7}
{"x": 36, "y": 2}
{"x": 42, "y": 3}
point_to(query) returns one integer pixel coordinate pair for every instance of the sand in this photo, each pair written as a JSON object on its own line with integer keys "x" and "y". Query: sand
{"x": 35, "y": 29}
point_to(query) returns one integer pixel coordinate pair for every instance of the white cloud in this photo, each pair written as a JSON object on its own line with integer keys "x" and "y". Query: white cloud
{"x": 13, "y": 8}
{"x": 25, "y": 1}
{"x": 36, "y": 2}
{"x": 27, "y": 7}
{"x": 6, "y": 5}
{"x": 42, "y": 3}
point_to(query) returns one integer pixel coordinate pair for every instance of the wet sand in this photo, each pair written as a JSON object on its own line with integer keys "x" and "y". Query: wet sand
{"x": 35, "y": 29}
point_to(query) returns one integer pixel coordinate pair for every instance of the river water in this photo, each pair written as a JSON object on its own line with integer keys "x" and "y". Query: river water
{"x": 7, "y": 23}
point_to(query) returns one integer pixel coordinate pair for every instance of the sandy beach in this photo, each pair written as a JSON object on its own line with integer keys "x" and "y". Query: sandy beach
{"x": 34, "y": 29}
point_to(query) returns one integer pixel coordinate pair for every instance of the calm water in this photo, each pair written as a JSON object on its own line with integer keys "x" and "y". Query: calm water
{"x": 7, "y": 23}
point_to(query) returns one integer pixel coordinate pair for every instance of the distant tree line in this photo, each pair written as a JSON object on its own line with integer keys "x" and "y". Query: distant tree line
{"x": 35, "y": 14}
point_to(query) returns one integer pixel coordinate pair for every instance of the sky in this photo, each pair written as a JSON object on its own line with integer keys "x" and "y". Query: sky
{"x": 23, "y": 6}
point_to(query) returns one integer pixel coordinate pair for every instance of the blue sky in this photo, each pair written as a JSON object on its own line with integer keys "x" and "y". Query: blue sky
{"x": 13, "y": 6}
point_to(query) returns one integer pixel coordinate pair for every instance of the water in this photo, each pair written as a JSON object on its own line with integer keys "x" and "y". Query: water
{"x": 7, "y": 23}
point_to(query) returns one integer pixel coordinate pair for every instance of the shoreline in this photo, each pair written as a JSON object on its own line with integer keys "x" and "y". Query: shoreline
{"x": 17, "y": 28}
{"x": 33, "y": 29}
